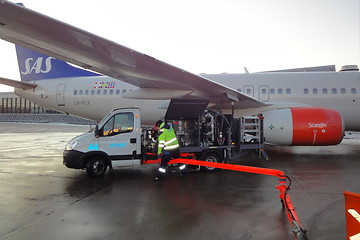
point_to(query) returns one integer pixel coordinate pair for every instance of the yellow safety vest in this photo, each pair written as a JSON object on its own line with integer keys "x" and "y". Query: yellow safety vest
{"x": 167, "y": 139}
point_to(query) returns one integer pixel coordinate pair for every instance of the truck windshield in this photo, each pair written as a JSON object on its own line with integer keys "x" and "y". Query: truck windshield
{"x": 102, "y": 122}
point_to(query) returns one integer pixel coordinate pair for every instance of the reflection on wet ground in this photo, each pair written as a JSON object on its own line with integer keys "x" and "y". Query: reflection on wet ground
{"x": 42, "y": 199}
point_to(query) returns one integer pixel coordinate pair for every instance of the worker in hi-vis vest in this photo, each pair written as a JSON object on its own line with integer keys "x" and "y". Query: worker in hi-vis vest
{"x": 168, "y": 148}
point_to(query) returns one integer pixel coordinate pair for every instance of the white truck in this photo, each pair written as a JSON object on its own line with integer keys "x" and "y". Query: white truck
{"x": 119, "y": 140}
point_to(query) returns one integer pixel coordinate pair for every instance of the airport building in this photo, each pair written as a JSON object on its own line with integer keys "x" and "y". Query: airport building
{"x": 10, "y": 103}
{"x": 17, "y": 109}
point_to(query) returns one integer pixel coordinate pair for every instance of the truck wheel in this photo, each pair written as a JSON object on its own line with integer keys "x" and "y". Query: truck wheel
{"x": 96, "y": 167}
{"x": 210, "y": 157}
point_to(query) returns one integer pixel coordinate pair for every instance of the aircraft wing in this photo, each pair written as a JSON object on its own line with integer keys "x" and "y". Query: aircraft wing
{"x": 41, "y": 33}
{"x": 17, "y": 84}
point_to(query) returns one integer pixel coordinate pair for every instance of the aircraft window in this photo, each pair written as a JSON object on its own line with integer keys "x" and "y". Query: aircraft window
{"x": 288, "y": 91}
{"x": 342, "y": 90}
{"x": 86, "y": 92}
{"x": 105, "y": 92}
{"x": 248, "y": 91}
{"x": 111, "y": 92}
{"x": 92, "y": 92}
{"x": 124, "y": 91}
{"x": 81, "y": 92}
{"x": 353, "y": 91}
{"x": 120, "y": 123}
{"x": 306, "y": 91}
{"x": 272, "y": 91}
{"x": 239, "y": 90}
{"x": 117, "y": 92}
{"x": 315, "y": 91}
{"x": 263, "y": 91}
{"x": 75, "y": 92}
{"x": 324, "y": 91}
{"x": 130, "y": 90}
{"x": 334, "y": 91}
{"x": 280, "y": 91}
{"x": 98, "y": 92}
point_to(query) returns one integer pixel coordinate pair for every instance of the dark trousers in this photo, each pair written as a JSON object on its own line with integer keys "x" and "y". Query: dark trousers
{"x": 168, "y": 155}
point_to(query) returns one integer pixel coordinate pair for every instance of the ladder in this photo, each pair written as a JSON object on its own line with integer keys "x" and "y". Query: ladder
{"x": 252, "y": 134}
{"x": 250, "y": 129}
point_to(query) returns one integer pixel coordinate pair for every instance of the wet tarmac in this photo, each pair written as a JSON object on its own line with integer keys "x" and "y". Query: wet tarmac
{"x": 42, "y": 199}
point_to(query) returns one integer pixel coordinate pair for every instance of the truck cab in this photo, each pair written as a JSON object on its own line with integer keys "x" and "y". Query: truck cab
{"x": 115, "y": 142}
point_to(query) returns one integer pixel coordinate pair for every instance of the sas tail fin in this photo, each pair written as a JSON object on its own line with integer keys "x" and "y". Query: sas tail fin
{"x": 37, "y": 66}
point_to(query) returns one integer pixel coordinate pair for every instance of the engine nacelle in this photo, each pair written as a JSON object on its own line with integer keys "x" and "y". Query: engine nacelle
{"x": 303, "y": 126}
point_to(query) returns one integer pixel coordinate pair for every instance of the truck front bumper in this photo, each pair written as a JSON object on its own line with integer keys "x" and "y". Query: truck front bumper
{"x": 73, "y": 159}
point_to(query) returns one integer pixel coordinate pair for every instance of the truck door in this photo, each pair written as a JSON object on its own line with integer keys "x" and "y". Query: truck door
{"x": 120, "y": 138}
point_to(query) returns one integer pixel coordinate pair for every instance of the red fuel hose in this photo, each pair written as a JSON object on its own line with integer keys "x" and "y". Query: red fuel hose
{"x": 299, "y": 232}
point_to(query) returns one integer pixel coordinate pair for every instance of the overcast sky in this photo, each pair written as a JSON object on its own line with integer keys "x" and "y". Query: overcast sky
{"x": 208, "y": 36}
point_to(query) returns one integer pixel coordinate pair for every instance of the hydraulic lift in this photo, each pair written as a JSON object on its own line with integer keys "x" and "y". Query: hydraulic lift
{"x": 298, "y": 230}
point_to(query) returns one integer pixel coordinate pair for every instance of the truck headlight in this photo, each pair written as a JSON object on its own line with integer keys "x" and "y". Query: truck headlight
{"x": 71, "y": 145}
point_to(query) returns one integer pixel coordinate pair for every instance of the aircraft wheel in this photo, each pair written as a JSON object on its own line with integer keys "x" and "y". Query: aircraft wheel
{"x": 96, "y": 167}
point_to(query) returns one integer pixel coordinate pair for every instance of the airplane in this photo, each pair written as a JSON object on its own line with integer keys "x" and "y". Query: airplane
{"x": 300, "y": 108}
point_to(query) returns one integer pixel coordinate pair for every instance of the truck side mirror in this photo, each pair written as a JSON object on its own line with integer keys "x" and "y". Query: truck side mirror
{"x": 96, "y": 131}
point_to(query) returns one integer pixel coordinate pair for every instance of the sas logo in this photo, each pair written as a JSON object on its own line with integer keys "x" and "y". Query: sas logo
{"x": 39, "y": 65}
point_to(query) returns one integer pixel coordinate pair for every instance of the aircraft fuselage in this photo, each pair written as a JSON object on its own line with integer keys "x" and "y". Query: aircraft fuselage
{"x": 93, "y": 97}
